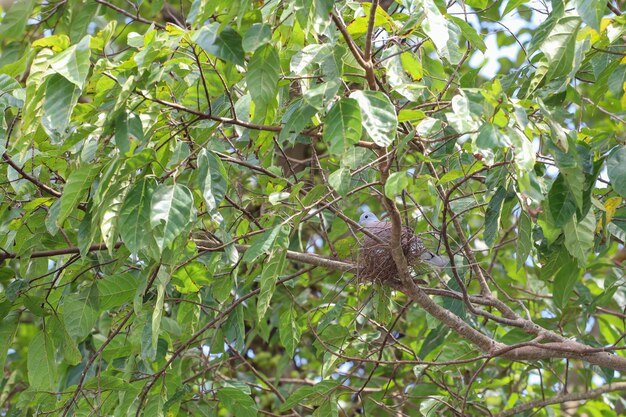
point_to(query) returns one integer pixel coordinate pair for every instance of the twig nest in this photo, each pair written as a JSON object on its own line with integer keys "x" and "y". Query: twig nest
{"x": 376, "y": 263}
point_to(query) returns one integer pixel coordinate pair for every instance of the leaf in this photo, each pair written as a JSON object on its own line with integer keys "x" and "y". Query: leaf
{"x": 560, "y": 46}
{"x": 309, "y": 55}
{"x": 492, "y": 216}
{"x": 117, "y": 290}
{"x": 512, "y": 5}
{"x": 561, "y": 202}
{"x": 564, "y": 282}
{"x": 310, "y": 394}
{"x": 579, "y": 237}
{"x": 262, "y": 77}
{"x": 616, "y": 169}
{"x": 299, "y": 118}
{"x": 271, "y": 272}
{"x": 545, "y": 28}
{"x": 256, "y": 36}
{"x": 342, "y": 125}
{"x": 396, "y": 183}
{"x": 263, "y": 243}
{"x": 340, "y": 180}
{"x": 60, "y": 98}
{"x": 289, "y": 331}
{"x": 63, "y": 341}
{"x": 470, "y": 33}
{"x": 163, "y": 278}
{"x": 80, "y": 312}
{"x": 173, "y": 212}
{"x": 591, "y": 12}
{"x": 211, "y": 178}
{"x": 237, "y": 402}
{"x": 226, "y": 45}
{"x": 42, "y": 368}
{"x": 8, "y": 328}
{"x": 76, "y": 186}
{"x": 489, "y": 137}
{"x": 378, "y": 116}
{"x": 134, "y": 215}
{"x": 73, "y": 63}
{"x": 524, "y": 239}
{"x": 15, "y": 18}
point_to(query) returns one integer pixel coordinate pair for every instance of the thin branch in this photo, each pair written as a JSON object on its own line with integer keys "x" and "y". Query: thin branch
{"x": 30, "y": 178}
{"x": 136, "y": 18}
{"x": 562, "y": 398}
{"x": 370, "y": 33}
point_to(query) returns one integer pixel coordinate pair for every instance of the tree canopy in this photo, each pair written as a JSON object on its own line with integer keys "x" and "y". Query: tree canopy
{"x": 181, "y": 185}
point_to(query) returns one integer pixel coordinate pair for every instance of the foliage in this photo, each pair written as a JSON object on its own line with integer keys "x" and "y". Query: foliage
{"x": 180, "y": 184}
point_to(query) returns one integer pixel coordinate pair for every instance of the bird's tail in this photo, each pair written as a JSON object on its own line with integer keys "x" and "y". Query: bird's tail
{"x": 434, "y": 259}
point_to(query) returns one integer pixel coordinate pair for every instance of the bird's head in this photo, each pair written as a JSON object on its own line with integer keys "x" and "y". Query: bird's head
{"x": 367, "y": 217}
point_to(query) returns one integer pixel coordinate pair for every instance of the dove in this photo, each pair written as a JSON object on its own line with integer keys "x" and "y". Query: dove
{"x": 382, "y": 230}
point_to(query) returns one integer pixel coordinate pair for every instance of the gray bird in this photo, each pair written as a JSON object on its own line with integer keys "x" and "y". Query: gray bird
{"x": 383, "y": 231}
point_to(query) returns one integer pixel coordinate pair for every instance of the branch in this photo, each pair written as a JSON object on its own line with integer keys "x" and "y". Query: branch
{"x": 132, "y": 16}
{"x": 559, "y": 399}
{"x": 30, "y": 178}
{"x": 356, "y": 52}
{"x": 370, "y": 32}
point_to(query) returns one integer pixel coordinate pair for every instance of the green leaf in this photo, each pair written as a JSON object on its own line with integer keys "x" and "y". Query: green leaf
{"x": 289, "y": 331}
{"x": 489, "y": 137}
{"x": 134, "y": 216}
{"x": 116, "y": 290}
{"x": 63, "y": 341}
{"x": 308, "y": 56}
{"x": 8, "y": 328}
{"x": 492, "y": 216}
{"x": 560, "y": 46}
{"x": 616, "y": 80}
{"x": 76, "y": 186}
{"x": 396, "y": 183}
{"x": 378, "y": 116}
{"x": 258, "y": 35}
{"x": 262, "y": 77}
{"x": 226, "y": 45}
{"x": 163, "y": 278}
{"x": 172, "y": 212}
{"x": 591, "y": 12}
{"x": 73, "y": 63}
{"x": 561, "y": 202}
{"x": 524, "y": 239}
{"x": 211, "y": 179}
{"x": 15, "y": 18}
{"x": 545, "y": 28}
{"x": 616, "y": 169}
{"x": 564, "y": 282}
{"x": 299, "y": 118}
{"x": 263, "y": 243}
{"x": 340, "y": 180}
{"x": 470, "y": 33}
{"x": 310, "y": 394}
{"x": 271, "y": 272}
{"x": 80, "y": 312}
{"x": 60, "y": 98}
{"x": 42, "y": 367}
{"x": 342, "y": 125}
{"x": 512, "y": 5}
{"x": 237, "y": 402}
{"x": 579, "y": 237}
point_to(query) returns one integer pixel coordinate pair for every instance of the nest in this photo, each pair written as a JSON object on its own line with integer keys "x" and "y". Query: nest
{"x": 376, "y": 263}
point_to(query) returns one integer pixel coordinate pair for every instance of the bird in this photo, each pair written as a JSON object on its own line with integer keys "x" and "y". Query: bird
{"x": 382, "y": 230}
